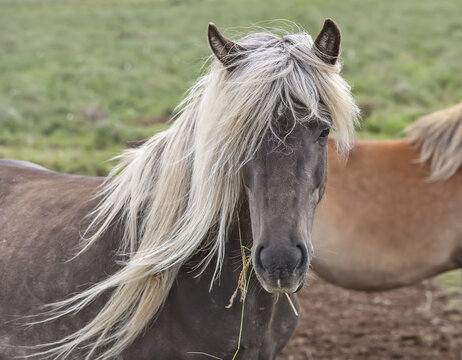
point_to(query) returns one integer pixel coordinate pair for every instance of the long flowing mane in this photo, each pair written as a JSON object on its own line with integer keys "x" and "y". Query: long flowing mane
{"x": 439, "y": 136}
{"x": 176, "y": 195}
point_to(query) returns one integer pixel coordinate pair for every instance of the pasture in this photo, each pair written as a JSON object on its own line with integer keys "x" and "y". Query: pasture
{"x": 80, "y": 79}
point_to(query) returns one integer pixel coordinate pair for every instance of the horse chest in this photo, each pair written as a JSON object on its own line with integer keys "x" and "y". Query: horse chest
{"x": 195, "y": 322}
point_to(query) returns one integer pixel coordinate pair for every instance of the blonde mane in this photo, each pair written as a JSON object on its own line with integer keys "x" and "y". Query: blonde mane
{"x": 169, "y": 193}
{"x": 439, "y": 136}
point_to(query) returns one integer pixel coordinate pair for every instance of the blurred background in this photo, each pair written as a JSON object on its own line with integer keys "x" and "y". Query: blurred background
{"x": 79, "y": 80}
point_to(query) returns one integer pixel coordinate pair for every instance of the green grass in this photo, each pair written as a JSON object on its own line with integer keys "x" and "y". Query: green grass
{"x": 452, "y": 283}
{"x": 78, "y": 79}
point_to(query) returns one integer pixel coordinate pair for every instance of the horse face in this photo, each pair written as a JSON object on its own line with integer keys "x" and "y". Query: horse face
{"x": 284, "y": 183}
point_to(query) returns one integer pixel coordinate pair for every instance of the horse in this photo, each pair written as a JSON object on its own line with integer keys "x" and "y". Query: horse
{"x": 142, "y": 264}
{"x": 391, "y": 215}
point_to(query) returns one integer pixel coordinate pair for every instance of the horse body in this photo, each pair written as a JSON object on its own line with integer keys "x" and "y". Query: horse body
{"x": 43, "y": 274}
{"x": 382, "y": 223}
{"x": 41, "y": 217}
{"x": 141, "y": 265}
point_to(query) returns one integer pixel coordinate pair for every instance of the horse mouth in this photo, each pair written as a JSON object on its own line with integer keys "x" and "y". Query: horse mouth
{"x": 281, "y": 286}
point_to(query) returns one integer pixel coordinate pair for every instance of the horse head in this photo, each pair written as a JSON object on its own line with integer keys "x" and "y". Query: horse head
{"x": 286, "y": 177}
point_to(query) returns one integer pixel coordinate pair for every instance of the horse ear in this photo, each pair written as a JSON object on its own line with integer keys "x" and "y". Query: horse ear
{"x": 225, "y": 50}
{"x": 328, "y": 42}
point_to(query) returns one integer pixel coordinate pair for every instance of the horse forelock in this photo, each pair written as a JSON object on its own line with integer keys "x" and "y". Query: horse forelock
{"x": 184, "y": 181}
{"x": 439, "y": 136}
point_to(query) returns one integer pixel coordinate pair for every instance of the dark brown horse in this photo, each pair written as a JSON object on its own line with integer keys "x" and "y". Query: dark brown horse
{"x": 160, "y": 241}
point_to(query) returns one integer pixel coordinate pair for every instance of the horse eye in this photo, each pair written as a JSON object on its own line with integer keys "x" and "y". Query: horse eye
{"x": 324, "y": 133}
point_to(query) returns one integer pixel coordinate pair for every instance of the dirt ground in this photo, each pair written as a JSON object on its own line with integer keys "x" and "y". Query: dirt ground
{"x": 420, "y": 322}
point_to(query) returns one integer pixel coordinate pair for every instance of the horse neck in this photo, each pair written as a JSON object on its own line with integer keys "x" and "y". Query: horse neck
{"x": 240, "y": 234}
{"x": 191, "y": 299}
{"x": 239, "y": 240}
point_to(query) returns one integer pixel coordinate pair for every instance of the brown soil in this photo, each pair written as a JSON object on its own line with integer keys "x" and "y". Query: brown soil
{"x": 420, "y": 322}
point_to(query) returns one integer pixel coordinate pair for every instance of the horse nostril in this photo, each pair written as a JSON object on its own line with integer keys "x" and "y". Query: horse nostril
{"x": 299, "y": 255}
{"x": 303, "y": 262}
{"x": 258, "y": 257}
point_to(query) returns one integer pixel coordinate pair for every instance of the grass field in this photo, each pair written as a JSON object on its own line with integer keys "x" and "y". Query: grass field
{"x": 78, "y": 79}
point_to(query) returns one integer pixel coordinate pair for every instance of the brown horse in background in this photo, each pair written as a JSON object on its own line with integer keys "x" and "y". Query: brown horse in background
{"x": 392, "y": 212}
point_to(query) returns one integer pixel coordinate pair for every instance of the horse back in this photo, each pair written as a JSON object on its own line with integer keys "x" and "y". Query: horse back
{"x": 42, "y": 216}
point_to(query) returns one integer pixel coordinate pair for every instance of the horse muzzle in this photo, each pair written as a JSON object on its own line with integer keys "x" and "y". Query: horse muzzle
{"x": 281, "y": 270}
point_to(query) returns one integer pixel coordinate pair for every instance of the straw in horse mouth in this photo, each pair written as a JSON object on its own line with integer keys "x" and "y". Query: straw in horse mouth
{"x": 291, "y": 304}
